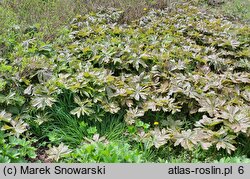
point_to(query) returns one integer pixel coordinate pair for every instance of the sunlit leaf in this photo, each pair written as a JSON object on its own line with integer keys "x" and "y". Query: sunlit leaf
{"x": 55, "y": 153}
{"x": 15, "y": 127}
{"x": 187, "y": 139}
{"x": 211, "y": 105}
{"x": 40, "y": 102}
{"x": 4, "y": 116}
{"x": 160, "y": 137}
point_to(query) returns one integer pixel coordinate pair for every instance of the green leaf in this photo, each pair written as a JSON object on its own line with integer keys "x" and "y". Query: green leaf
{"x": 4, "y": 159}
{"x": 91, "y": 130}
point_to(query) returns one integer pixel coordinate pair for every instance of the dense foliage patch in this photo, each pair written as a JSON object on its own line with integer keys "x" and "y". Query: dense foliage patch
{"x": 178, "y": 78}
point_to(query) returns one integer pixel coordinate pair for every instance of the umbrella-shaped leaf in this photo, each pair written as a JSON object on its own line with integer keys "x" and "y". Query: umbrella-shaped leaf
{"x": 4, "y": 116}
{"x": 40, "y": 102}
{"x": 160, "y": 137}
{"x": 55, "y": 153}
{"x": 187, "y": 139}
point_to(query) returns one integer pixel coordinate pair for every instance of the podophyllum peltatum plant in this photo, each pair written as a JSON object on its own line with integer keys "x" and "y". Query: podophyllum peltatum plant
{"x": 167, "y": 63}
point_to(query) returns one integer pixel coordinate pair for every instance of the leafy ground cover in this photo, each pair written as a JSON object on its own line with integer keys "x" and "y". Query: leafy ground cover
{"x": 171, "y": 86}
